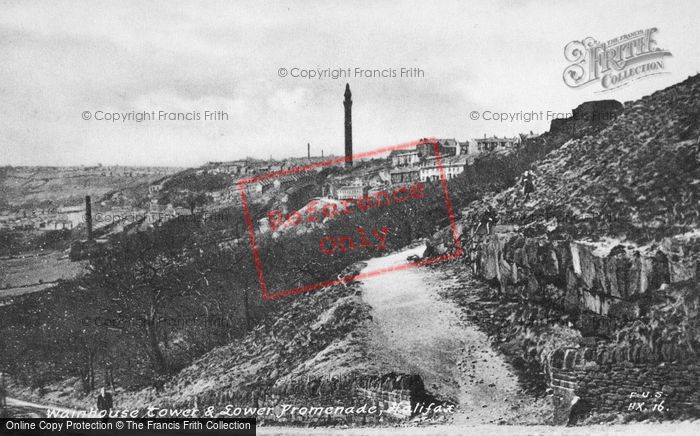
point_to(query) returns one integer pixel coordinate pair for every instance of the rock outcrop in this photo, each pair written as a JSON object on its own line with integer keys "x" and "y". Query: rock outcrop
{"x": 591, "y": 115}
{"x": 606, "y": 278}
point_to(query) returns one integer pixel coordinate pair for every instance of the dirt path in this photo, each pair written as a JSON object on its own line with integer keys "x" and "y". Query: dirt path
{"x": 417, "y": 331}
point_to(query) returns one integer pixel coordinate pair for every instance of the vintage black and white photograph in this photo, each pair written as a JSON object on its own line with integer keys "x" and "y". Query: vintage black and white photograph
{"x": 307, "y": 217}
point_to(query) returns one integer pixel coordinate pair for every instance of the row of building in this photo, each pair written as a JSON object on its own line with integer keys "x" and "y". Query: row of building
{"x": 429, "y": 170}
{"x": 253, "y": 167}
{"x": 428, "y": 148}
{"x": 421, "y": 163}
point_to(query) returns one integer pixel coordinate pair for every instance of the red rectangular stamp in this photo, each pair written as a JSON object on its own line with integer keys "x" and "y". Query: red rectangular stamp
{"x": 407, "y": 184}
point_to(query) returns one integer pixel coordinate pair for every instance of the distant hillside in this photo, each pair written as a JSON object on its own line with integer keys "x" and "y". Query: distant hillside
{"x": 639, "y": 177}
{"x": 44, "y": 186}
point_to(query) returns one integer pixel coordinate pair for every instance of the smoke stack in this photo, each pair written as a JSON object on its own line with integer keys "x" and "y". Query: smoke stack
{"x": 308, "y": 150}
{"x": 321, "y": 152}
{"x": 88, "y": 217}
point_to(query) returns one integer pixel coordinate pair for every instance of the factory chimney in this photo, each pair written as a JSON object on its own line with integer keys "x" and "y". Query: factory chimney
{"x": 88, "y": 217}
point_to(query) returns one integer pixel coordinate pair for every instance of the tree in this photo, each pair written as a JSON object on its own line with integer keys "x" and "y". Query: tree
{"x": 144, "y": 277}
{"x": 194, "y": 200}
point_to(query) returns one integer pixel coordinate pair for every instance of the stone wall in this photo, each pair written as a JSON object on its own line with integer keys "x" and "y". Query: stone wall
{"x": 605, "y": 282}
{"x": 605, "y": 287}
{"x": 617, "y": 380}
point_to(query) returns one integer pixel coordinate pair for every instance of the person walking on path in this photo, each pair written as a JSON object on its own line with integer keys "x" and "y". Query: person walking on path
{"x": 528, "y": 183}
{"x": 3, "y": 392}
{"x": 104, "y": 402}
{"x": 488, "y": 219}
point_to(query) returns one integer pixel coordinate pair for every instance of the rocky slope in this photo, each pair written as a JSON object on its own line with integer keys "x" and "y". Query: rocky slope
{"x": 314, "y": 335}
{"x": 614, "y": 218}
{"x": 638, "y": 178}
{"x": 609, "y": 246}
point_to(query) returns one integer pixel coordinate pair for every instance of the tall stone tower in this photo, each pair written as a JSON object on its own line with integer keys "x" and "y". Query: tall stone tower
{"x": 348, "y": 125}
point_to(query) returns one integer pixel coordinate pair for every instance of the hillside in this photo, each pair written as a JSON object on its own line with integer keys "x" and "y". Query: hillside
{"x": 65, "y": 186}
{"x": 638, "y": 178}
{"x": 312, "y": 336}
{"x": 607, "y": 247}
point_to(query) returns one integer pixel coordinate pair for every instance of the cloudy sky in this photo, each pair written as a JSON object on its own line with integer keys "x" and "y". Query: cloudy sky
{"x": 60, "y": 59}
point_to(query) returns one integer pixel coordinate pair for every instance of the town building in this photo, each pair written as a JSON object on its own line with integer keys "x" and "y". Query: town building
{"x": 404, "y": 175}
{"x": 377, "y": 178}
{"x": 351, "y": 192}
{"x": 485, "y": 145}
{"x": 351, "y": 189}
{"x": 292, "y": 179}
{"x": 404, "y": 157}
{"x": 261, "y": 186}
{"x": 231, "y": 195}
{"x": 55, "y": 224}
{"x": 161, "y": 213}
{"x": 430, "y": 170}
{"x": 449, "y": 147}
{"x": 426, "y": 147}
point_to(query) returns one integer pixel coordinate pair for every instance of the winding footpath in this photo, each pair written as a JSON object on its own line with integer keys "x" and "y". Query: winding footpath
{"x": 417, "y": 331}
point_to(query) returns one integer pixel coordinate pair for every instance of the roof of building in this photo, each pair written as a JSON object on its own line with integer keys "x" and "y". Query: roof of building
{"x": 349, "y": 187}
{"x": 448, "y": 142}
{"x": 402, "y": 152}
{"x": 446, "y": 162}
{"x": 404, "y": 170}
{"x": 496, "y": 139}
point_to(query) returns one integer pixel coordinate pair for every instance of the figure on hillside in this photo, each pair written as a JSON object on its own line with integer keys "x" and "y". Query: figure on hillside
{"x": 104, "y": 402}
{"x": 109, "y": 375}
{"x": 3, "y": 392}
{"x": 488, "y": 219}
{"x": 528, "y": 183}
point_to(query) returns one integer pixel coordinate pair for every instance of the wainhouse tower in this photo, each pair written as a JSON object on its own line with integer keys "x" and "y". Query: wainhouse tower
{"x": 348, "y": 125}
